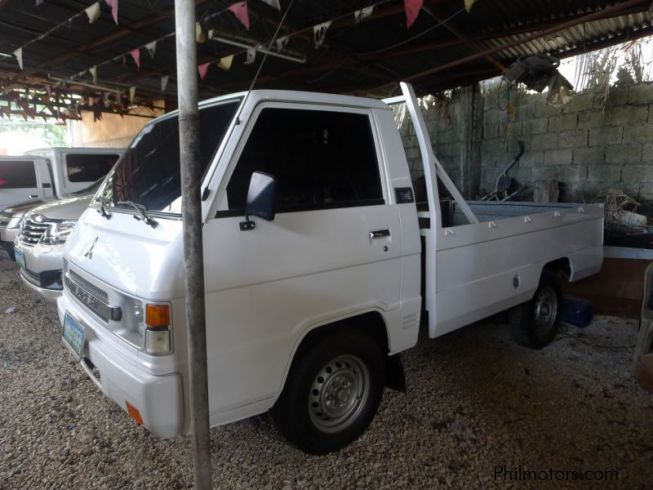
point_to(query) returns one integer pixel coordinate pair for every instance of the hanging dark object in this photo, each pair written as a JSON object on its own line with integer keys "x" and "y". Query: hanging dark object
{"x": 538, "y": 72}
{"x": 98, "y": 108}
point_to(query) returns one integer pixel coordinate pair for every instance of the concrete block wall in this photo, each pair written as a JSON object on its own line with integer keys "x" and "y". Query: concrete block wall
{"x": 590, "y": 145}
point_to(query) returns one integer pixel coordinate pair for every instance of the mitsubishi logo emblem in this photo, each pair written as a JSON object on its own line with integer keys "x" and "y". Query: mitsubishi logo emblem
{"x": 89, "y": 252}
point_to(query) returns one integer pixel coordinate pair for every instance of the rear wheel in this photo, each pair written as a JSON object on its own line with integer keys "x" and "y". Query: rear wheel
{"x": 535, "y": 323}
{"x": 332, "y": 393}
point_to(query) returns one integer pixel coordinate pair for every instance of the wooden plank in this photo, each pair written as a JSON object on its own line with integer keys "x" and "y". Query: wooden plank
{"x": 617, "y": 290}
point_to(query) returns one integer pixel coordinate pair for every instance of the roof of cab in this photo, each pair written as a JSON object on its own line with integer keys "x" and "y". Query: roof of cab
{"x": 300, "y": 96}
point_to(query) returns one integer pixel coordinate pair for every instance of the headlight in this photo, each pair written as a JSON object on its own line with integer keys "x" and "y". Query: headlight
{"x": 57, "y": 233}
{"x": 14, "y": 222}
{"x": 146, "y": 325}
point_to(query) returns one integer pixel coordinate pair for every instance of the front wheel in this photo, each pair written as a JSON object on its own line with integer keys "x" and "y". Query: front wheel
{"x": 332, "y": 393}
{"x": 535, "y": 323}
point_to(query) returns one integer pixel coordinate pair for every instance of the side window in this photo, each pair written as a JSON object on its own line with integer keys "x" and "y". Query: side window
{"x": 17, "y": 175}
{"x": 89, "y": 167}
{"x": 320, "y": 160}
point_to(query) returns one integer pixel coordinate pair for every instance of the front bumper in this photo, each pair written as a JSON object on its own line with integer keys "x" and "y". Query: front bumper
{"x": 43, "y": 273}
{"x": 51, "y": 295}
{"x": 122, "y": 378}
{"x": 7, "y": 237}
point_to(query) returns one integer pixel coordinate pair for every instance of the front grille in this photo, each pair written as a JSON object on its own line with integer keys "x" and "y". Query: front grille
{"x": 31, "y": 232}
{"x": 89, "y": 295}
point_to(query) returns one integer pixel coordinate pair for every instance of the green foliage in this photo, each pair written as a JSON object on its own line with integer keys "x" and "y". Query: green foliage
{"x": 52, "y": 134}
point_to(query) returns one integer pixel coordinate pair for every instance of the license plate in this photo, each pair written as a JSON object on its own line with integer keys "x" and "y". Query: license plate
{"x": 74, "y": 334}
{"x": 20, "y": 259}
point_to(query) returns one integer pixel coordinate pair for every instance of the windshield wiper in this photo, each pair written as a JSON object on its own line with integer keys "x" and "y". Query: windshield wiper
{"x": 103, "y": 209}
{"x": 141, "y": 213}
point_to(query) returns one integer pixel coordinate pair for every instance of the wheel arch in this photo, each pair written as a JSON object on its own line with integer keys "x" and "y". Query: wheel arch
{"x": 371, "y": 322}
{"x": 562, "y": 268}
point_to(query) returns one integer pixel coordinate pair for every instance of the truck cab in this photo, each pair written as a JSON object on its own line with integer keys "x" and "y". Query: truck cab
{"x": 344, "y": 243}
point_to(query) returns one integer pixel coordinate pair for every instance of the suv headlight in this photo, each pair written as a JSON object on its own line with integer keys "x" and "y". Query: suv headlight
{"x": 14, "y": 222}
{"x": 10, "y": 220}
{"x": 57, "y": 233}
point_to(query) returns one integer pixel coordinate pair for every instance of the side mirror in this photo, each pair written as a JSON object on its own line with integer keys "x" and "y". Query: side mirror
{"x": 260, "y": 199}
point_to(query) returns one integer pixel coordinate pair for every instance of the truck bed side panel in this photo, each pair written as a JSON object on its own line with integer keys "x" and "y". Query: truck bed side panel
{"x": 488, "y": 267}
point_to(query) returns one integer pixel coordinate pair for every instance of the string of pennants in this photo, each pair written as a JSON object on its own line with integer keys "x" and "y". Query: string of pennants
{"x": 240, "y": 11}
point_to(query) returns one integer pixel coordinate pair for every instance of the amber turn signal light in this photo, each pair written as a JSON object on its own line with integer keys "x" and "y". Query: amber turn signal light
{"x": 157, "y": 316}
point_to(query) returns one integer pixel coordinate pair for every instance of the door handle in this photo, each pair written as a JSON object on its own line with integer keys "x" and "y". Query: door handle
{"x": 33, "y": 196}
{"x": 379, "y": 234}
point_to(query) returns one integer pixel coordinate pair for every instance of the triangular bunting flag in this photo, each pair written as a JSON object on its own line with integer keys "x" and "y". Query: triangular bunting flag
{"x": 132, "y": 94}
{"x": 319, "y": 31}
{"x": 164, "y": 83}
{"x": 19, "y": 57}
{"x": 225, "y": 63}
{"x": 151, "y": 48}
{"x": 412, "y": 8}
{"x": 93, "y": 71}
{"x": 363, "y": 13}
{"x": 274, "y": 4}
{"x": 282, "y": 42}
{"x": 251, "y": 56}
{"x": 200, "y": 37}
{"x": 241, "y": 12}
{"x": 136, "y": 55}
{"x": 114, "y": 9}
{"x": 203, "y": 69}
{"x": 93, "y": 12}
{"x": 469, "y": 4}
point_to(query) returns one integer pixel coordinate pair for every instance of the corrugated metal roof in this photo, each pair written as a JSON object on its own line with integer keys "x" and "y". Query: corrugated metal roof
{"x": 365, "y": 57}
{"x": 580, "y": 37}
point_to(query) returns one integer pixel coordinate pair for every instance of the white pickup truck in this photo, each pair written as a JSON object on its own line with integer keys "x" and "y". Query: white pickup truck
{"x": 318, "y": 267}
{"x": 46, "y": 175}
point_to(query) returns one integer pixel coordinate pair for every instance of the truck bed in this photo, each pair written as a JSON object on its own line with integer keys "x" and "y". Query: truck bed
{"x": 484, "y": 268}
{"x": 480, "y": 258}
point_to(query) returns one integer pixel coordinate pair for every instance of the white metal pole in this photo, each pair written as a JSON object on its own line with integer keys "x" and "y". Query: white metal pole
{"x": 191, "y": 175}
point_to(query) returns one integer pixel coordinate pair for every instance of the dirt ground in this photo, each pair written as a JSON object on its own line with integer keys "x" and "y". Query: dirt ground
{"x": 480, "y": 411}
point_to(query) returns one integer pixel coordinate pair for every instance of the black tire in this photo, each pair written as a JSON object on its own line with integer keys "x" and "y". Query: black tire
{"x": 535, "y": 323}
{"x": 325, "y": 372}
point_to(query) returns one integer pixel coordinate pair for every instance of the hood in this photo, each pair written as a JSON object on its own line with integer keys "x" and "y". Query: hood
{"x": 21, "y": 208}
{"x": 66, "y": 209}
{"x": 128, "y": 255}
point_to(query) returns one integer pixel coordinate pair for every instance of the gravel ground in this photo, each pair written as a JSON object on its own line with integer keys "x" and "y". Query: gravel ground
{"x": 475, "y": 401}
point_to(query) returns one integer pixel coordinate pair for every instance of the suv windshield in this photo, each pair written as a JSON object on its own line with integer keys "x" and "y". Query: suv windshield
{"x": 149, "y": 175}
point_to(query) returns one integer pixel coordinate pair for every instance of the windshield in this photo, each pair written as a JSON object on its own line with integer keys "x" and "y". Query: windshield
{"x": 149, "y": 174}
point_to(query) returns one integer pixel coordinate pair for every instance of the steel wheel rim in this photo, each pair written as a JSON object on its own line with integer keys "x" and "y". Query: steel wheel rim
{"x": 339, "y": 393}
{"x": 545, "y": 309}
